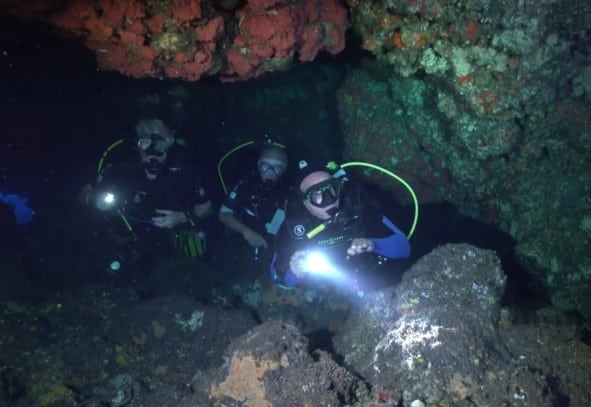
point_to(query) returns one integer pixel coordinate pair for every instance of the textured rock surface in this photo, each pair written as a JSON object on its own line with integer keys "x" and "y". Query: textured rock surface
{"x": 434, "y": 338}
{"x": 270, "y": 366}
{"x": 439, "y": 336}
{"x": 485, "y": 104}
{"x": 191, "y": 39}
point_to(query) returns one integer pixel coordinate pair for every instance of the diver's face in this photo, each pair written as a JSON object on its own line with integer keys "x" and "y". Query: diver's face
{"x": 153, "y": 154}
{"x": 271, "y": 166}
{"x": 313, "y": 201}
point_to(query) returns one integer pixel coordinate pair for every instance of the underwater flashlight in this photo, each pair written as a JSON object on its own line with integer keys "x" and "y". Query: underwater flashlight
{"x": 317, "y": 263}
{"x": 106, "y": 201}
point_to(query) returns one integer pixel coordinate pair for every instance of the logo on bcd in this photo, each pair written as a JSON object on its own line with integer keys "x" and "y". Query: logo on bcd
{"x": 299, "y": 230}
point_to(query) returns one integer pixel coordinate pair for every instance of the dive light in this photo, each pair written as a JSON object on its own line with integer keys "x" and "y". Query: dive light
{"x": 106, "y": 201}
{"x": 318, "y": 264}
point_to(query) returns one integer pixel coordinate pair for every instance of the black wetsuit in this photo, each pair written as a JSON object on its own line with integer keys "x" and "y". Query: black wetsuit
{"x": 259, "y": 205}
{"x": 357, "y": 217}
{"x": 178, "y": 187}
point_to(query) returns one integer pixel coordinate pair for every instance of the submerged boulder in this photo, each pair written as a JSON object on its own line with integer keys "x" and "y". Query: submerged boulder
{"x": 270, "y": 366}
{"x": 434, "y": 337}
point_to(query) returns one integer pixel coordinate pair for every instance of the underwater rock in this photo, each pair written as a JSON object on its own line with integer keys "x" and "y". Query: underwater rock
{"x": 192, "y": 39}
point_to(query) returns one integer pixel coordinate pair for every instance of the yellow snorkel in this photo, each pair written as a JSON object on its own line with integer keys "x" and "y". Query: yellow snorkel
{"x": 105, "y": 154}
{"x": 221, "y": 161}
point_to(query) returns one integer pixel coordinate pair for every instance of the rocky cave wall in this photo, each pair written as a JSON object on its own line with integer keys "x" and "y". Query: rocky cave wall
{"x": 485, "y": 104}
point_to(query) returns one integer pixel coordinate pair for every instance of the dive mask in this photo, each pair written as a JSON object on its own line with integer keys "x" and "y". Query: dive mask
{"x": 271, "y": 169}
{"x": 144, "y": 143}
{"x": 155, "y": 144}
{"x": 324, "y": 193}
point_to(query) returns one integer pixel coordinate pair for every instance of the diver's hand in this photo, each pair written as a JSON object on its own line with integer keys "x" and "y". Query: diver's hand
{"x": 254, "y": 239}
{"x": 297, "y": 263}
{"x": 361, "y": 245}
{"x": 169, "y": 219}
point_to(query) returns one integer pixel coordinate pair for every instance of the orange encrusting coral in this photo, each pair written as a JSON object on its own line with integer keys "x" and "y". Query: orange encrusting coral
{"x": 369, "y": 44}
{"x": 462, "y": 80}
{"x": 472, "y": 31}
{"x": 397, "y": 41}
{"x": 418, "y": 42}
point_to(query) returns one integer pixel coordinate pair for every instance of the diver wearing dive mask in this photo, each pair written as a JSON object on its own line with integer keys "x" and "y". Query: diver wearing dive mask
{"x": 254, "y": 207}
{"x": 329, "y": 213}
{"x": 271, "y": 165}
{"x": 321, "y": 194}
{"x": 324, "y": 193}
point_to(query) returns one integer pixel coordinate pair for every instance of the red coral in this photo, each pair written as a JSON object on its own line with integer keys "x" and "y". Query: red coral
{"x": 181, "y": 58}
{"x": 240, "y": 64}
{"x": 79, "y": 16}
{"x": 155, "y": 24}
{"x": 326, "y": 23}
{"x": 262, "y": 5}
{"x": 263, "y": 35}
{"x": 121, "y": 14}
{"x": 278, "y": 32}
{"x": 270, "y": 34}
{"x": 311, "y": 43}
{"x": 129, "y": 37}
{"x": 184, "y": 11}
{"x": 140, "y": 62}
{"x": 209, "y": 31}
{"x": 189, "y": 67}
{"x": 270, "y": 29}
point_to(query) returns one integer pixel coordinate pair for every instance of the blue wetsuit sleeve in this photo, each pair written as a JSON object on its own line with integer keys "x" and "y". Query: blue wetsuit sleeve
{"x": 22, "y": 212}
{"x": 394, "y": 246}
{"x": 286, "y": 278}
{"x": 290, "y": 279}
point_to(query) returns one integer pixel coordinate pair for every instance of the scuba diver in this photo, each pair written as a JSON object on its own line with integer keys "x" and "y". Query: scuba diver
{"x": 331, "y": 216}
{"x": 254, "y": 207}
{"x": 149, "y": 189}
